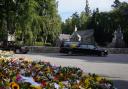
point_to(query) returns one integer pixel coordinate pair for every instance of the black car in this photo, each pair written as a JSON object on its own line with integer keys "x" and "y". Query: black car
{"x": 86, "y": 49}
{"x": 11, "y": 46}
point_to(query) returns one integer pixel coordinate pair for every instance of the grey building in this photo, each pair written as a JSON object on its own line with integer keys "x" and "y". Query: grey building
{"x": 85, "y": 37}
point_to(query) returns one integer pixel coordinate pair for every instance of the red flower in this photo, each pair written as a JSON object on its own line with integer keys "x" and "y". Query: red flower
{"x": 2, "y": 88}
{"x": 55, "y": 78}
{"x": 44, "y": 84}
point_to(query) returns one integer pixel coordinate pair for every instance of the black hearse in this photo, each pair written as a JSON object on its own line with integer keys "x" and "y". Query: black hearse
{"x": 78, "y": 48}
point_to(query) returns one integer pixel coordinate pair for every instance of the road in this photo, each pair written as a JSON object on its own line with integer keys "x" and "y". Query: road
{"x": 114, "y": 66}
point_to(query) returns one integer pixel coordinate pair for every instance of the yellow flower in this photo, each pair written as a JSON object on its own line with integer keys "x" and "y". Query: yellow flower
{"x": 14, "y": 85}
{"x": 61, "y": 85}
{"x": 48, "y": 69}
{"x": 99, "y": 78}
{"x": 1, "y": 75}
{"x": 87, "y": 83}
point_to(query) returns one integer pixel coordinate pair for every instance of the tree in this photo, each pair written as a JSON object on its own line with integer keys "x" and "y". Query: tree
{"x": 84, "y": 19}
{"x": 2, "y": 20}
{"x": 67, "y": 27}
{"x": 7, "y": 20}
{"x": 27, "y": 21}
{"x": 81, "y": 21}
{"x": 120, "y": 14}
{"x": 87, "y": 9}
{"x": 123, "y": 20}
{"x": 51, "y": 22}
{"x": 105, "y": 23}
{"x": 30, "y": 20}
{"x": 103, "y": 28}
{"x": 75, "y": 20}
{"x": 116, "y": 4}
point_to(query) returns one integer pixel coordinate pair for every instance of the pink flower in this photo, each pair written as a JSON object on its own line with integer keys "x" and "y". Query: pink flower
{"x": 18, "y": 77}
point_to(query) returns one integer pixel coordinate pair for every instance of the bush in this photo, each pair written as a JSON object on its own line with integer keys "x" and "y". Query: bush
{"x": 39, "y": 44}
{"x": 47, "y": 44}
{"x": 42, "y": 44}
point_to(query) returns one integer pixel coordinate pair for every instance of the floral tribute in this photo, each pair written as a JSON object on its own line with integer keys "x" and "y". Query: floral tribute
{"x": 18, "y": 73}
{"x": 6, "y": 54}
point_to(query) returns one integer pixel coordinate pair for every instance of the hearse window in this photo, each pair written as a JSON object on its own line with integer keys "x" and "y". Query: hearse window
{"x": 91, "y": 46}
{"x": 84, "y": 46}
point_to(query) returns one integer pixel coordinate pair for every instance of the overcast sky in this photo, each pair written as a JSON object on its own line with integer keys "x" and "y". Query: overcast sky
{"x": 68, "y": 7}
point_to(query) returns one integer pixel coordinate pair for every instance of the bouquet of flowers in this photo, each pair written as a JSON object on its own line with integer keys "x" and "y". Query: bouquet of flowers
{"x": 6, "y": 53}
{"x": 18, "y": 73}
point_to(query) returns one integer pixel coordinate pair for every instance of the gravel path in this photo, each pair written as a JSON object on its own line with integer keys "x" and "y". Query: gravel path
{"x": 114, "y": 66}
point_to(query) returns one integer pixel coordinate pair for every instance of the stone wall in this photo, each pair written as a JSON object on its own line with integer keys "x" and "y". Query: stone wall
{"x": 118, "y": 50}
{"x": 40, "y": 49}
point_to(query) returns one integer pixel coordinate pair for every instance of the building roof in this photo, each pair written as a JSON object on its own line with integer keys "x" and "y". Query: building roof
{"x": 64, "y": 36}
{"x": 86, "y": 32}
{"x": 75, "y": 34}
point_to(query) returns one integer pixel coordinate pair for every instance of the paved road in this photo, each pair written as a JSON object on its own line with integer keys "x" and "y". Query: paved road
{"x": 114, "y": 66}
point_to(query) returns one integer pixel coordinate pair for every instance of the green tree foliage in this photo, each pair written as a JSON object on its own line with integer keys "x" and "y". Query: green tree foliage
{"x": 116, "y": 4}
{"x": 80, "y": 21}
{"x": 27, "y": 24}
{"x": 103, "y": 28}
{"x": 51, "y": 22}
{"x": 75, "y": 19}
{"x": 7, "y": 18}
{"x": 84, "y": 18}
{"x": 30, "y": 20}
{"x": 67, "y": 27}
{"x": 87, "y": 8}
{"x": 122, "y": 12}
{"x": 106, "y": 23}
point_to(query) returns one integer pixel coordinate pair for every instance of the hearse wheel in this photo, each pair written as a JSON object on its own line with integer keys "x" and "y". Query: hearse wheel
{"x": 102, "y": 54}
{"x": 70, "y": 53}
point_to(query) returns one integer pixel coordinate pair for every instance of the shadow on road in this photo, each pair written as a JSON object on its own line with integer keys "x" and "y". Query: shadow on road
{"x": 121, "y": 84}
{"x": 111, "y": 58}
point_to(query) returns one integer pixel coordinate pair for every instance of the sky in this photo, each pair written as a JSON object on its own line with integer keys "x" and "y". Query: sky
{"x": 67, "y": 7}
